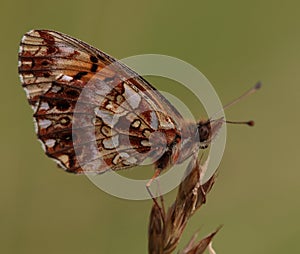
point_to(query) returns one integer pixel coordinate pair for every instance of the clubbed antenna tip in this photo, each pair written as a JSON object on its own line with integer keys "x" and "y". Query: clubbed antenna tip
{"x": 258, "y": 85}
{"x": 251, "y": 123}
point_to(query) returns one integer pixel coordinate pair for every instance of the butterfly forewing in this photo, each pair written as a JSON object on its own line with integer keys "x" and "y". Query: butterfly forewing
{"x": 85, "y": 100}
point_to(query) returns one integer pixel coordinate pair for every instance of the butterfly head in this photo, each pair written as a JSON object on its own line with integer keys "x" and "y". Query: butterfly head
{"x": 204, "y": 132}
{"x": 207, "y": 130}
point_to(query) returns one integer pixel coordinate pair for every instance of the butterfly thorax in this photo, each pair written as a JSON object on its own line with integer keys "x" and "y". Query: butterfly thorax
{"x": 194, "y": 136}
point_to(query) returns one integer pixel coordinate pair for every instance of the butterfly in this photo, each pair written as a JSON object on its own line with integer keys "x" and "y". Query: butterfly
{"x": 121, "y": 119}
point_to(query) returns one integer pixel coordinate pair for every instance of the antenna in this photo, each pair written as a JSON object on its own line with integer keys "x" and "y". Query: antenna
{"x": 244, "y": 95}
{"x": 250, "y": 123}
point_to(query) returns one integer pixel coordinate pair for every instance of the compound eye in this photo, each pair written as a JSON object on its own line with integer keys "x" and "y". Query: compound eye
{"x": 204, "y": 133}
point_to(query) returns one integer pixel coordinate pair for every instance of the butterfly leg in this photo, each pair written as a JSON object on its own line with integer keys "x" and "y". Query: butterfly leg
{"x": 156, "y": 174}
{"x": 203, "y": 194}
{"x": 160, "y": 196}
{"x": 161, "y": 208}
{"x": 161, "y": 164}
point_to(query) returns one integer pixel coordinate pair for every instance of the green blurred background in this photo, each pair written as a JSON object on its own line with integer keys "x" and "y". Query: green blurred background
{"x": 234, "y": 43}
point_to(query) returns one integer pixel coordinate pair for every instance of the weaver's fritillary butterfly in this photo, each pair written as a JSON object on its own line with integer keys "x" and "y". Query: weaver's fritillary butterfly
{"x": 129, "y": 119}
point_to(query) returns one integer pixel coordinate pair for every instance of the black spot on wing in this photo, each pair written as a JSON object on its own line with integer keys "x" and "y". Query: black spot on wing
{"x": 94, "y": 67}
{"x": 94, "y": 59}
{"x": 80, "y": 74}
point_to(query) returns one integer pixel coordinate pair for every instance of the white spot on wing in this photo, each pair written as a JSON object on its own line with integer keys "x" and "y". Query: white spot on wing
{"x": 146, "y": 133}
{"x": 36, "y": 128}
{"x": 32, "y": 32}
{"x": 116, "y": 159}
{"x": 66, "y": 78}
{"x": 145, "y": 143}
{"x": 50, "y": 142}
{"x": 112, "y": 142}
{"x": 34, "y": 107}
{"x": 115, "y": 108}
{"x": 120, "y": 157}
{"x": 154, "y": 121}
{"x": 136, "y": 123}
{"x": 124, "y": 155}
{"x": 55, "y": 89}
{"x": 24, "y": 38}
{"x": 101, "y": 88}
{"x": 64, "y": 159}
{"x": 44, "y": 123}
{"x": 22, "y": 79}
{"x": 44, "y": 106}
{"x": 29, "y": 63}
{"x": 131, "y": 96}
{"x": 109, "y": 106}
{"x": 130, "y": 161}
{"x": 59, "y": 163}
{"x": 106, "y": 116}
{"x": 29, "y": 76}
